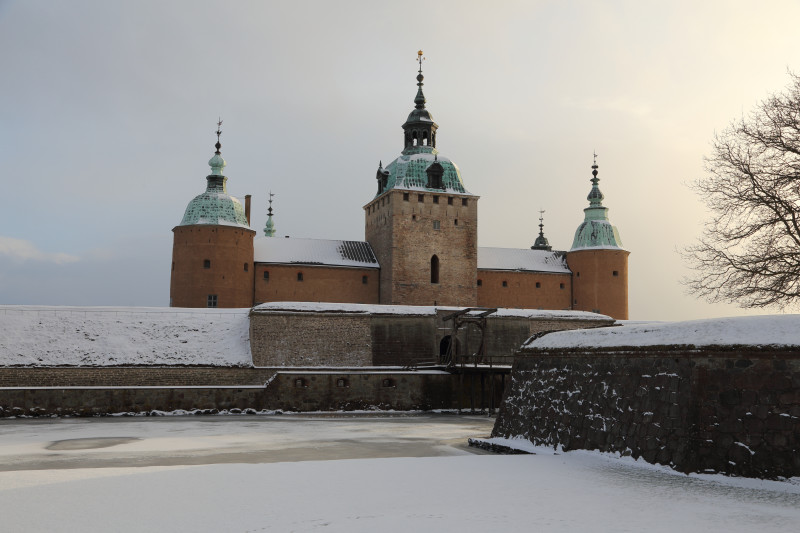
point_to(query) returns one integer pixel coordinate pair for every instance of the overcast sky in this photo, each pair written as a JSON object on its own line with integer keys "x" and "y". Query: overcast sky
{"x": 109, "y": 111}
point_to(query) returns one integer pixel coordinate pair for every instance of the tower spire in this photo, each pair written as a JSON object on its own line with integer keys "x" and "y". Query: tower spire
{"x": 216, "y": 162}
{"x": 269, "y": 229}
{"x": 420, "y": 98}
{"x": 419, "y": 129}
{"x": 595, "y": 196}
{"x": 541, "y": 242}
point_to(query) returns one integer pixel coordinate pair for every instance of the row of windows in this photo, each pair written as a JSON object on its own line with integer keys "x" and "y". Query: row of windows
{"x": 538, "y": 284}
{"x": 364, "y": 279}
{"x": 614, "y": 273}
{"x": 343, "y": 382}
{"x": 421, "y": 199}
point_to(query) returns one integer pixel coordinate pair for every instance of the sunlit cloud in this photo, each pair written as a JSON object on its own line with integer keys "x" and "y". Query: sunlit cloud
{"x": 22, "y": 250}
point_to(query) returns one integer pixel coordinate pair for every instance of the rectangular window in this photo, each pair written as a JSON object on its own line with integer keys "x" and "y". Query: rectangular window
{"x": 420, "y": 198}
{"x": 212, "y": 300}
{"x": 266, "y": 275}
{"x": 405, "y": 196}
{"x": 561, "y": 286}
{"x": 246, "y": 267}
{"x": 455, "y": 222}
{"x": 437, "y": 224}
{"x": 299, "y": 276}
{"x": 538, "y": 285}
{"x": 480, "y": 282}
{"x": 615, "y": 273}
{"x": 364, "y": 279}
{"x": 464, "y": 202}
{"x": 449, "y": 200}
{"x": 505, "y": 284}
{"x": 436, "y": 199}
{"x": 207, "y": 263}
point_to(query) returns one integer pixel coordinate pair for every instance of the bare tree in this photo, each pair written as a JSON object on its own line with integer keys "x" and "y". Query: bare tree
{"x": 749, "y": 252}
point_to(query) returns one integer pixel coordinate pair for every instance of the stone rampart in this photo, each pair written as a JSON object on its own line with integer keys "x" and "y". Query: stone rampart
{"x": 730, "y": 410}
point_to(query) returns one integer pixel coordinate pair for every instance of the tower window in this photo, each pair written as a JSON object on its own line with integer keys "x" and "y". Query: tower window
{"x": 505, "y": 283}
{"x": 405, "y": 196}
{"x": 364, "y": 279}
{"x": 246, "y": 267}
{"x": 464, "y": 202}
{"x": 266, "y": 275}
{"x": 455, "y": 222}
{"x": 434, "y": 269}
{"x": 420, "y": 198}
{"x": 211, "y": 301}
{"x": 413, "y": 217}
{"x": 561, "y": 286}
{"x": 615, "y": 273}
{"x": 207, "y": 263}
{"x": 538, "y": 285}
{"x": 299, "y": 276}
{"x": 449, "y": 200}
{"x": 437, "y": 224}
{"x": 578, "y": 274}
{"x": 480, "y": 282}
{"x": 436, "y": 199}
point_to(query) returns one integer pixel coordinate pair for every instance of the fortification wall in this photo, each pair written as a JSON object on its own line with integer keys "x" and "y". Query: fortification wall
{"x": 734, "y": 411}
{"x": 301, "y": 390}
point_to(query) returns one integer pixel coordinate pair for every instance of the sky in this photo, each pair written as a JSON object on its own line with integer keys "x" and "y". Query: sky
{"x": 110, "y": 110}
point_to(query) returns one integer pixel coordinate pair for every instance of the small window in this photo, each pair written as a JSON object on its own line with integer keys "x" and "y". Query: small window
{"x": 364, "y": 279}
{"x": 266, "y": 275}
{"x": 615, "y": 273}
{"x": 464, "y": 202}
{"x": 576, "y": 302}
{"x": 413, "y": 217}
{"x": 434, "y": 269}
{"x": 437, "y": 224}
{"x": 207, "y": 263}
{"x": 560, "y": 285}
{"x": 449, "y": 200}
{"x": 387, "y": 382}
{"x": 578, "y": 274}
{"x": 246, "y": 267}
{"x": 342, "y": 383}
{"x": 420, "y": 197}
{"x": 505, "y": 284}
{"x": 212, "y": 300}
{"x": 455, "y": 222}
{"x": 480, "y": 282}
{"x": 300, "y": 383}
{"x": 405, "y": 196}
{"x": 436, "y": 199}
{"x": 299, "y": 276}
{"x": 538, "y": 285}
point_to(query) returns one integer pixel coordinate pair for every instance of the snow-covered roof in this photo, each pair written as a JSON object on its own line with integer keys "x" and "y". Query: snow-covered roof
{"x": 102, "y": 336}
{"x": 769, "y": 330}
{"x": 314, "y": 252}
{"x": 522, "y": 259}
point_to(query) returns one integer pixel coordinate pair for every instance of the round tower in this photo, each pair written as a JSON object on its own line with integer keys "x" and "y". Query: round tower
{"x": 212, "y": 252}
{"x": 598, "y": 262}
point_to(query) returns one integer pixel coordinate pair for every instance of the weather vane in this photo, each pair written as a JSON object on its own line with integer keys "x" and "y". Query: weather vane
{"x": 541, "y": 215}
{"x": 595, "y": 157}
{"x": 420, "y": 58}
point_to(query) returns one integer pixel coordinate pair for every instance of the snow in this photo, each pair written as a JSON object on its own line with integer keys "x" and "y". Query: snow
{"x": 99, "y": 336}
{"x": 443, "y": 487}
{"x": 314, "y": 252}
{"x": 522, "y": 259}
{"x": 416, "y": 310}
{"x": 767, "y": 330}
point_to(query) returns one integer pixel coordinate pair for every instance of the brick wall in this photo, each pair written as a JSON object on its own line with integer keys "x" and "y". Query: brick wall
{"x": 600, "y": 281}
{"x": 520, "y": 290}
{"x": 735, "y": 411}
{"x": 319, "y": 284}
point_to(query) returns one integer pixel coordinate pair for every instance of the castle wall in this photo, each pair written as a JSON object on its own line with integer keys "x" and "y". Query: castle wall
{"x": 318, "y": 284}
{"x": 734, "y": 411}
{"x": 229, "y": 274}
{"x": 407, "y": 228}
{"x": 520, "y": 290}
{"x": 600, "y": 281}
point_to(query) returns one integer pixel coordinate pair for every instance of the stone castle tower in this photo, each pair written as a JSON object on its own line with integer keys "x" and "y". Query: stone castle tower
{"x": 423, "y": 224}
{"x": 598, "y": 262}
{"x": 212, "y": 251}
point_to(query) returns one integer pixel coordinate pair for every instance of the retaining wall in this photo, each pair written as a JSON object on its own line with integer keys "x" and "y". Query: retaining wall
{"x": 734, "y": 411}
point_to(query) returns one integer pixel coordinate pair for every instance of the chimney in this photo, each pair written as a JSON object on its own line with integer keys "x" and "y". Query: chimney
{"x": 247, "y": 208}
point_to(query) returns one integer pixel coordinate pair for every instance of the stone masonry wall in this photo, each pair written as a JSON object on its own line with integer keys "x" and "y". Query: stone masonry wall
{"x": 733, "y": 411}
{"x": 313, "y": 339}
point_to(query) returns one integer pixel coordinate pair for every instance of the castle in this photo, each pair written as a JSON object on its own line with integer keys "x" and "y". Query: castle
{"x": 420, "y": 247}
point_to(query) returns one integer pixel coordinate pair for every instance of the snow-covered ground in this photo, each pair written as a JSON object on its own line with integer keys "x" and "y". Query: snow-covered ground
{"x": 422, "y": 480}
{"x": 96, "y": 336}
{"x": 768, "y": 330}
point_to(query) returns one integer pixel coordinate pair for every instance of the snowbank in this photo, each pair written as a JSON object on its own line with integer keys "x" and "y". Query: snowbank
{"x": 102, "y": 336}
{"x": 769, "y": 330}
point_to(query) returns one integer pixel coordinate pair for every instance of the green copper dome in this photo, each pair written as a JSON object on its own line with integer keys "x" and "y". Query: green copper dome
{"x": 596, "y": 231}
{"x": 410, "y": 172}
{"x": 215, "y": 206}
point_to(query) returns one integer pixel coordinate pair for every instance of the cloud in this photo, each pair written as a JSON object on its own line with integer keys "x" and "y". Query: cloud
{"x": 22, "y": 250}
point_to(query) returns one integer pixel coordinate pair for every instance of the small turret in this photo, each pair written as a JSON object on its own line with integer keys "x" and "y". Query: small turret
{"x": 269, "y": 229}
{"x": 541, "y": 242}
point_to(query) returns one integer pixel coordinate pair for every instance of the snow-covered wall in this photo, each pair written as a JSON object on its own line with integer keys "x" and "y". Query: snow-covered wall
{"x": 105, "y": 336}
{"x": 730, "y": 410}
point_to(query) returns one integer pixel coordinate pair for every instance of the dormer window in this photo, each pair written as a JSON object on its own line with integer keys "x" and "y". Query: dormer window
{"x": 435, "y": 175}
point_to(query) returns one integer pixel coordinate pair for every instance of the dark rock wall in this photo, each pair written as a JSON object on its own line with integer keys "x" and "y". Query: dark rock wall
{"x": 731, "y": 411}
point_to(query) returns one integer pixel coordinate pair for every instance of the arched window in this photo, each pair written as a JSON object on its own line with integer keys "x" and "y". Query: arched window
{"x": 434, "y": 269}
